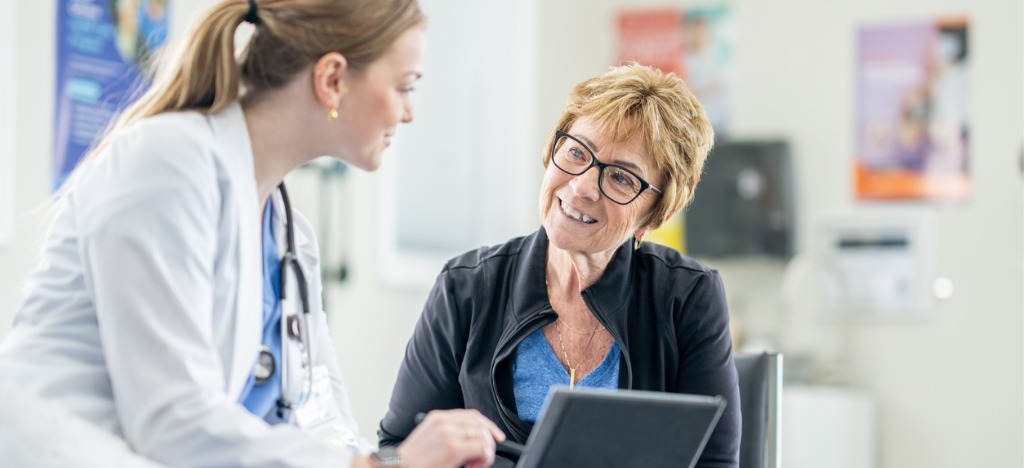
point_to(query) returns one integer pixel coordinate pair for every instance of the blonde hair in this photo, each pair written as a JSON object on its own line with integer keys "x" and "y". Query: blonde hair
{"x": 633, "y": 99}
{"x": 201, "y": 71}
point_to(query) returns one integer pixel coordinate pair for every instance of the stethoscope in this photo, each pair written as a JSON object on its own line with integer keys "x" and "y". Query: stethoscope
{"x": 295, "y": 328}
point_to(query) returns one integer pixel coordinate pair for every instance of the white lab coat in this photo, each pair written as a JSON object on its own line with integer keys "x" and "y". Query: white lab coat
{"x": 145, "y": 315}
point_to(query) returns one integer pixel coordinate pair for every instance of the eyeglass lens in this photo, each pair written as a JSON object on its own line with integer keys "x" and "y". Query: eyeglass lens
{"x": 616, "y": 182}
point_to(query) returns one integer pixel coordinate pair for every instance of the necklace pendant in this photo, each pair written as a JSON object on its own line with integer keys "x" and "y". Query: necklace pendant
{"x": 572, "y": 377}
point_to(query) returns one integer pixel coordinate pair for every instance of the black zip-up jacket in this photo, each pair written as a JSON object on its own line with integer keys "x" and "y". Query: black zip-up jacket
{"x": 667, "y": 312}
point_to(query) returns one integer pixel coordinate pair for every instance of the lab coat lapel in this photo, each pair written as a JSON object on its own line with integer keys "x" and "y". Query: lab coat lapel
{"x": 232, "y": 136}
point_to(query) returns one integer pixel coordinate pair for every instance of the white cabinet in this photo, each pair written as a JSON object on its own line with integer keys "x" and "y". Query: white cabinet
{"x": 830, "y": 427}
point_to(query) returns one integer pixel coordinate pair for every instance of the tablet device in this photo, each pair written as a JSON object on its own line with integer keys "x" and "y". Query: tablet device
{"x": 596, "y": 428}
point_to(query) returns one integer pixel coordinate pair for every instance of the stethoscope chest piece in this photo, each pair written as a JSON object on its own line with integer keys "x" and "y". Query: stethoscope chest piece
{"x": 265, "y": 365}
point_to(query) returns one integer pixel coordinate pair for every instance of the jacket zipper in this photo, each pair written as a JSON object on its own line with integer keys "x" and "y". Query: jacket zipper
{"x": 615, "y": 336}
{"x": 510, "y": 341}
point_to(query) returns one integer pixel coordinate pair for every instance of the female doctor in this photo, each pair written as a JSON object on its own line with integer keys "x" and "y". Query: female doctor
{"x": 177, "y": 304}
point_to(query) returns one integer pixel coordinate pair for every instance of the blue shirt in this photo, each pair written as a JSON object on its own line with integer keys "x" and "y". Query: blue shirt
{"x": 260, "y": 399}
{"x": 536, "y": 369}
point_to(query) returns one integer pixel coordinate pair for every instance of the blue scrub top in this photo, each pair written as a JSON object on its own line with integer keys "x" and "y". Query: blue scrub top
{"x": 261, "y": 399}
{"x": 536, "y": 369}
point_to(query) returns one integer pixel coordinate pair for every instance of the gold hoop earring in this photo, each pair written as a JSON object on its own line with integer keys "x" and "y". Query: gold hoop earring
{"x": 636, "y": 243}
{"x": 332, "y": 115}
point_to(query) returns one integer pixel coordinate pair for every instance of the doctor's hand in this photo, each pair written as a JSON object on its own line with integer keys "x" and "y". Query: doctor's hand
{"x": 451, "y": 438}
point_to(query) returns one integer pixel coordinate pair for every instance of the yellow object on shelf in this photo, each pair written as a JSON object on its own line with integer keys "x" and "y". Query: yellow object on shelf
{"x": 670, "y": 234}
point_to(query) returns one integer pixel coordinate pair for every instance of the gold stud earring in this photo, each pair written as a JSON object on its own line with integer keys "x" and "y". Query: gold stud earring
{"x": 332, "y": 114}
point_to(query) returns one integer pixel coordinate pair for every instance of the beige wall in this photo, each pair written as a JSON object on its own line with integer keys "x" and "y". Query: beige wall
{"x": 950, "y": 388}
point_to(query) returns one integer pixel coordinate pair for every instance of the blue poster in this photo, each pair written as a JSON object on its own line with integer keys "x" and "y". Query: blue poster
{"x": 102, "y": 46}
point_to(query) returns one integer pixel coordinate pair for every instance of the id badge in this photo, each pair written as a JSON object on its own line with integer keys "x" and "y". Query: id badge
{"x": 321, "y": 416}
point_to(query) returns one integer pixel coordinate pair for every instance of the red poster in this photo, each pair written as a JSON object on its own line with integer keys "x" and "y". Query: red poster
{"x": 652, "y": 37}
{"x": 696, "y": 45}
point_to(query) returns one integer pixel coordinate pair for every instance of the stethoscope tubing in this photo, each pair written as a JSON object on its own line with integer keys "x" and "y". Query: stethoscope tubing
{"x": 290, "y": 262}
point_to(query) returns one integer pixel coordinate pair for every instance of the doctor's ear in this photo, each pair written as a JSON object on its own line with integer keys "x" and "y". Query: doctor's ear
{"x": 329, "y": 75}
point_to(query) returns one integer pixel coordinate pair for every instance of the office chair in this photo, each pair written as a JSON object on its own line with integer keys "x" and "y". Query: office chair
{"x": 760, "y": 402}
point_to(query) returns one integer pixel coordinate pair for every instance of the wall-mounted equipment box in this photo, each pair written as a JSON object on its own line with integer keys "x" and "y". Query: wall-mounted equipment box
{"x": 744, "y": 204}
{"x": 875, "y": 267}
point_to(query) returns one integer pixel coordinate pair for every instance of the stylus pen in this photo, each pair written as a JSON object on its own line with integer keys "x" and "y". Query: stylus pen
{"x": 506, "y": 448}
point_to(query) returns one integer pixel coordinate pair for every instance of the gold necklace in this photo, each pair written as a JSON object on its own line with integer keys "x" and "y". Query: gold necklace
{"x": 568, "y": 362}
{"x": 599, "y": 328}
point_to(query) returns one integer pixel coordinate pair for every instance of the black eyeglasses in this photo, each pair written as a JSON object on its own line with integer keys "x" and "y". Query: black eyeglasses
{"x": 618, "y": 183}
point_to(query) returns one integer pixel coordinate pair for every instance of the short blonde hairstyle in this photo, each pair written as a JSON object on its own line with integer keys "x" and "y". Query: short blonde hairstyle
{"x": 635, "y": 98}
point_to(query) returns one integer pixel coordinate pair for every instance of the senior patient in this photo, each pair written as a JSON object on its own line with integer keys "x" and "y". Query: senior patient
{"x": 582, "y": 301}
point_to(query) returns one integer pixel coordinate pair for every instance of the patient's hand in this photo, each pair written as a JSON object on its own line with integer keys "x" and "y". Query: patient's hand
{"x": 451, "y": 438}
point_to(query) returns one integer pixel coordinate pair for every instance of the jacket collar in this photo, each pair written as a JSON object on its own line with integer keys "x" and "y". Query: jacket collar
{"x": 609, "y": 295}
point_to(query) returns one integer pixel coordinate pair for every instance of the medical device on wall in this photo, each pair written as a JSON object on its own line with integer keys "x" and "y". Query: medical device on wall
{"x": 858, "y": 267}
{"x": 870, "y": 266}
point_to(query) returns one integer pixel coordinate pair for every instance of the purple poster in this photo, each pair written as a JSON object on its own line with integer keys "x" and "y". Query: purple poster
{"x": 101, "y": 47}
{"x": 912, "y": 119}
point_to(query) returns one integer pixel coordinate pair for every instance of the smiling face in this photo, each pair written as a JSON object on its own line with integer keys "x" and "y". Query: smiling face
{"x": 576, "y": 215}
{"x": 377, "y": 100}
